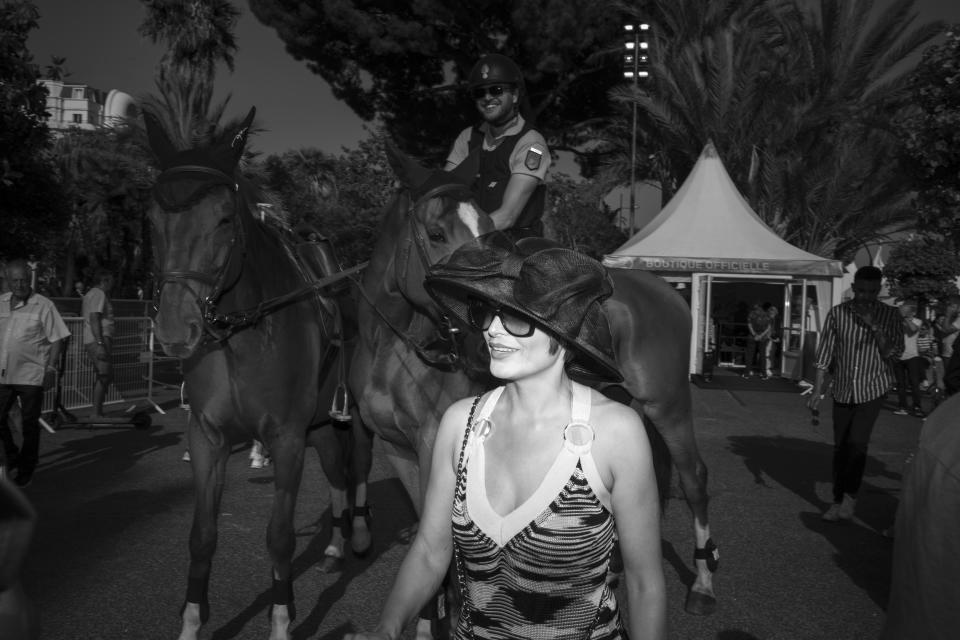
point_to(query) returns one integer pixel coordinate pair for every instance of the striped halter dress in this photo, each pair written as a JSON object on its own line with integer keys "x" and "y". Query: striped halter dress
{"x": 539, "y": 572}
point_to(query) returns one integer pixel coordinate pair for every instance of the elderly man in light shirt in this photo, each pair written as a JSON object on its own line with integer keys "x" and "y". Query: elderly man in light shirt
{"x": 31, "y": 338}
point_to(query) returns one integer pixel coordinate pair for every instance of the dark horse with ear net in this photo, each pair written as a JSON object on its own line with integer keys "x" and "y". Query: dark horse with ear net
{"x": 237, "y": 306}
{"x": 408, "y": 367}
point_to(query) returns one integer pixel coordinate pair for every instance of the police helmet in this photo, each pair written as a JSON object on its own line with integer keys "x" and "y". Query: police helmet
{"x": 495, "y": 68}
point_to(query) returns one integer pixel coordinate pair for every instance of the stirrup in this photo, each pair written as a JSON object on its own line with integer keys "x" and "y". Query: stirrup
{"x": 340, "y": 407}
{"x": 710, "y": 553}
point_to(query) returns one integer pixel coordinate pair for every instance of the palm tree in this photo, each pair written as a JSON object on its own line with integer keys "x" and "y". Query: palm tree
{"x": 798, "y": 101}
{"x": 106, "y": 179}
{"x": 198, "y": 35}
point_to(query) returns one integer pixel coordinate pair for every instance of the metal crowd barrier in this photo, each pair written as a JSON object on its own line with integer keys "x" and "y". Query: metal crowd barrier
{"x": 136, "y": 367}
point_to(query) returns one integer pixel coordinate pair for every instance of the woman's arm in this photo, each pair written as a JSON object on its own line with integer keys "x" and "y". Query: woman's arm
{"x": 428, "y": 559}
{"x": 625, "y": 453}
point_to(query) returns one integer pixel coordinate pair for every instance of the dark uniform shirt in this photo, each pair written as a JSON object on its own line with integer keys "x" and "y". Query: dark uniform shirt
{"x": 519, "y": 149}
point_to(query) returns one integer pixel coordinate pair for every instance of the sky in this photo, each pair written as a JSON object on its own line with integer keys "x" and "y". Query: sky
{"x": 103, "y": 49}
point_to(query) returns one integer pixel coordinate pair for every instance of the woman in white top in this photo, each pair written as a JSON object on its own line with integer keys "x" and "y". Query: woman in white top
{"x": 530, "y": 483}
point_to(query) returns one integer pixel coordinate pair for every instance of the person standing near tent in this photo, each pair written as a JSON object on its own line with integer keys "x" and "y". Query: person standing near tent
{"x": 511, "y": 156}
{"x": 860, "y": 340}
{"x": 758, "y": 323}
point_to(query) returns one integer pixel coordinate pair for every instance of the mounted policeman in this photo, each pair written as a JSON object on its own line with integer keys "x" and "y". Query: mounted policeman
{"x": 510, "y": 157}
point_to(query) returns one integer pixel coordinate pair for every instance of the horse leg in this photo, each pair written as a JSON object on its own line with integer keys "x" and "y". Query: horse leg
{"x": 208, "y": 460}
{"x": 329, "y": 448}
{"x": 413, "y": 476}
{"x": 287, "y": 451}
{"x": 674, "y": 422}
{"x": 361, "y": 461}
{"x": 404, "y": 462}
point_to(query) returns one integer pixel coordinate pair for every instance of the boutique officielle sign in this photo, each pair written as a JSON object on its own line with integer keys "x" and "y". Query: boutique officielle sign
{"x": 725, "y": 265}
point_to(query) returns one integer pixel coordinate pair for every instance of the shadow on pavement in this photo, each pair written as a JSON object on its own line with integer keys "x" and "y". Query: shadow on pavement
{"x": 393, "y": 519}
{"x": 800, "y": 465}
{"x": 684, "y": 573}
{"x": 735, "y": 634}
{"x": 861, "y": 553}
{"x": 797, "y": 464}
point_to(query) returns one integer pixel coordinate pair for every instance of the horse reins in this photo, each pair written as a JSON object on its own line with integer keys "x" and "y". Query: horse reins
{"x": 214, "y": 323}
{"x": 446, "y": 328}
{"x": 220, "y": 326}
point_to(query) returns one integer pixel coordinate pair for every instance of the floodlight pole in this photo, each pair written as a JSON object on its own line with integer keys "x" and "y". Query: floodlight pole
{"x": 633, "y": 136}
{"x": 634, "y": 48}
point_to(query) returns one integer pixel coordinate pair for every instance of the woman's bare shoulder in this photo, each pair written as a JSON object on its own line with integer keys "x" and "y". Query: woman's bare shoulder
{"x": 614, "y": 417}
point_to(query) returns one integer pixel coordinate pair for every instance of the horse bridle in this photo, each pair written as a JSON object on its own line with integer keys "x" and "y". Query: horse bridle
{"x": 448, "y": 332}
{"x": 215, "y": 325}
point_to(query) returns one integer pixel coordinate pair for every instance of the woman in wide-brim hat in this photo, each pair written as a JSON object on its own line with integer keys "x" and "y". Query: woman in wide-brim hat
{"x": 532, "y": 482}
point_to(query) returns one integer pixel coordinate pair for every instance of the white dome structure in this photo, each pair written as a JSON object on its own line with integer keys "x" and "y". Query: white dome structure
{"x": 118, "y": 108}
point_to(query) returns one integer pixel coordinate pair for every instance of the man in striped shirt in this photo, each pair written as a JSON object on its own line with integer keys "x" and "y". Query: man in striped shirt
{"x": 860, "y": 341}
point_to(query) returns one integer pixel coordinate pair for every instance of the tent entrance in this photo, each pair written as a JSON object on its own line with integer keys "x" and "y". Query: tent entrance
{"x": 728, "y": 306}
{"x": 721, "y": 306}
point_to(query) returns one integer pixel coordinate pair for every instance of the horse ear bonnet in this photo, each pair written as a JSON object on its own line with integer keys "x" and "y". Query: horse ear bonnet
{"x": 195, "y": 172}
{"x": 423, "y": 183}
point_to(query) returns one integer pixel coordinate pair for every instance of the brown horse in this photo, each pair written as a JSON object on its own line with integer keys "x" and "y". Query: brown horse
{"x": 403, "y": 384}
{"x": 236, "y": 305}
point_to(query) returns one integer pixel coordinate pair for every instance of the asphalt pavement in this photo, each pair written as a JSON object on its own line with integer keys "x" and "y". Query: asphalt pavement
{"x": 109, "y": 557}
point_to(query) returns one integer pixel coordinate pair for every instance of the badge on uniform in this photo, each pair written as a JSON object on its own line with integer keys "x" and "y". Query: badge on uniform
{"x": 532, "y": 161}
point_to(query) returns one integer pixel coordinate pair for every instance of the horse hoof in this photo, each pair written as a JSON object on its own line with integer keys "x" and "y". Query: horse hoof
{"x": 329, "y": 564}
{"x": 332, "y": 560}
{"x": 361, "y": 543}
{"x": 362, "y": 552}
{"x": 700, "y": 604}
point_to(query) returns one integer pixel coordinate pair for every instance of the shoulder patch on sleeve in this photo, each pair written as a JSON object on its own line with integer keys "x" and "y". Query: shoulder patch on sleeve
{"x": 533, "y": 159}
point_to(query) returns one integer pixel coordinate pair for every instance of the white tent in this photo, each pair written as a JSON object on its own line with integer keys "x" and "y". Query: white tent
{"x": 708, "y": 234}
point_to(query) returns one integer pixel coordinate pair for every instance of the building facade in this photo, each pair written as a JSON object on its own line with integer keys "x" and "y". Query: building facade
{"x": 76, "y": 105}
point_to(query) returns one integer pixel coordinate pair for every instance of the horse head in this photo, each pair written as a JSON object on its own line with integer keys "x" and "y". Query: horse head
{"x": 437, "y": 215}
{"x": 199, "y": 218}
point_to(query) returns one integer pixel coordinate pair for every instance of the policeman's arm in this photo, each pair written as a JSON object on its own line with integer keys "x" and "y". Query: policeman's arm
{"x": 518, "y": 192}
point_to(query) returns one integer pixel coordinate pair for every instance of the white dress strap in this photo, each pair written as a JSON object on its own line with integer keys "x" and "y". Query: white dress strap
{"x": 578, "y": 436}
{"x": 482, "y": 426}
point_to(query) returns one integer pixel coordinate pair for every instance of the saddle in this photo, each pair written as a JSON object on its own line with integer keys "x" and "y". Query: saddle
{"x": 319, "y": 260}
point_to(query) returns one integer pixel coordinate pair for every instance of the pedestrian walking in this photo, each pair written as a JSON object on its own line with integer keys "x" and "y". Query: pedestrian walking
{"x": 31, "y": 338}
{"x": 860, "y": 340}
{"x": 98, "y": 326}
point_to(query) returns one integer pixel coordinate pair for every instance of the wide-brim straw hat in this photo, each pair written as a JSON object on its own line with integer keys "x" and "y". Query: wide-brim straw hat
{"x": 561, "y": 290}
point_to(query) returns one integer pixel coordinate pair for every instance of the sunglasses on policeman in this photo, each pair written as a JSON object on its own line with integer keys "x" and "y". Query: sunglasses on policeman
{"x": 481, "y": 315}
{"x": 492, "y": 90}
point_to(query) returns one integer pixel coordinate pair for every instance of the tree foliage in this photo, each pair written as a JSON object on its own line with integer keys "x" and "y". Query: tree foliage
{"x": 30, "y": 203}
{"x": 23, "y": 132}
{"x": 923, "y": 268}
{"x": 798, "y": 100}
{"x": 405, "y": 62}
{"x": 932, "y": 137}
{"x": 198, "y": 35}
{"x": 342, "y": 197}
{"x": 107, "y": 177}
{"x": 578, "y": 218}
